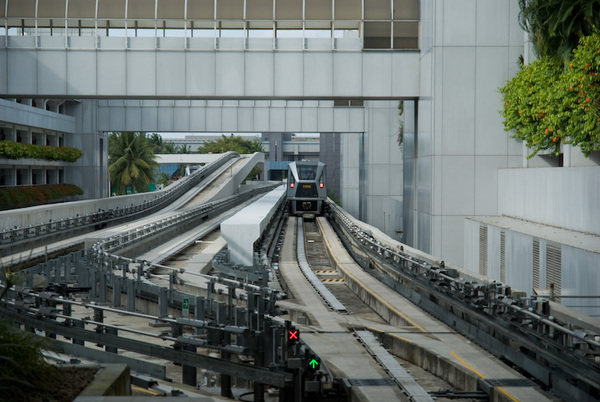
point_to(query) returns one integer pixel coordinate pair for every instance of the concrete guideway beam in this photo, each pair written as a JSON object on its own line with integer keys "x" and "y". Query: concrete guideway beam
{"x": 244, "y": 228}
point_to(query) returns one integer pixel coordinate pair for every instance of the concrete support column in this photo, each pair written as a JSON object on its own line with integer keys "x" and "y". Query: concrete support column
{"x": 351, "y": 154}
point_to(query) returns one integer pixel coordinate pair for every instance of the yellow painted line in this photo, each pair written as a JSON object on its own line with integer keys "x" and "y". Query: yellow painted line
{"x": 144, "y": 390}
{"x": 467, "y": 365}
{"x": 401, "y": 337}
{"x": 375, "y": 329}
{"x": 382, "y": 301}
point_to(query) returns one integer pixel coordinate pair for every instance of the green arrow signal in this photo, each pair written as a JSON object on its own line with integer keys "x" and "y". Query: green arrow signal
{"x": 313, "y": 363}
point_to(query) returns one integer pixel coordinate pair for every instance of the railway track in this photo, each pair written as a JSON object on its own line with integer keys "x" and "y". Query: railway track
{"x": 485, "y": 314}
{"x": 428, "y": 285}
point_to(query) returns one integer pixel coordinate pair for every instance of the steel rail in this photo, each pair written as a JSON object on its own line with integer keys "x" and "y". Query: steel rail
{"x": 310, "y": 275}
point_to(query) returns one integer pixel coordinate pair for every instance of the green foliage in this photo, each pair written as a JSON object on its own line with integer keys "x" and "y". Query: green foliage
{"x": 549, "y": 102}
{"x": 26, "y": 196}
{"x": 130, "y": 161}
{"x": 159, "y": 146}
{"x": 582, "y": 99}
{"x": 237, "y": 144}
{"x": 22, "y": 365}
{"x": 333, "y": 198}
{"x": 164, "y": 179}
{"x": 530, "y": 103}
{"x": 183, "y": 149}
{"x": 556, "y": 25}
{"x": 16, "y": 150}
{"x": 400, "y": 138}
{"x": 232, "y": 143}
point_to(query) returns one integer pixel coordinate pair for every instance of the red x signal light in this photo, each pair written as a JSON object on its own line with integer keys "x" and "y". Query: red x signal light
{"x": 293, "y": 335}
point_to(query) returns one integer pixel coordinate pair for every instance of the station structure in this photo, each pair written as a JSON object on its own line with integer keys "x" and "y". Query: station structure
{"x": 408, "y": 89}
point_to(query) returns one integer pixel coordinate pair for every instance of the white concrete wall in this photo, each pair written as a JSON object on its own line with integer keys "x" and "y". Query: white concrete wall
{"x": 563, "y": 197}
{"x": 351, "y": 148}
{"x": 16, "y": 113}
{"x": 579, "y": 273}
{"x": 90, "y": 172}
{"x": 383, "y": 167}
{"x": 116, "y": 67}
{"x": 469, "y": 49}
{"x": 228, "y": 116}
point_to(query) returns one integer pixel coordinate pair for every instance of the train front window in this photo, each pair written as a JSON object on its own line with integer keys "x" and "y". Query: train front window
{"x": 307, "y": 172}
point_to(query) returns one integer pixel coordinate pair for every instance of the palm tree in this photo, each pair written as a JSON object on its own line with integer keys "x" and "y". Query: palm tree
{"x": 556, "y": 25}
{"x": 130, "y": 161}
{"x": 183, "y": 149}
{"x": 164, "y": 179}
{"x": 168, "y": 148}
{"x": 157, "y": 143}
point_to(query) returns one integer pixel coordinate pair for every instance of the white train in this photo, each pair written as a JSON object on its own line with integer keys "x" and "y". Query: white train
{"x": 306, "y": 189}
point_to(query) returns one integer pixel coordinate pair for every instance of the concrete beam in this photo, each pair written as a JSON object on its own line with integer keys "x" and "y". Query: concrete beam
{"x": 141, "y": 68}
{"x": 244, "y": 228}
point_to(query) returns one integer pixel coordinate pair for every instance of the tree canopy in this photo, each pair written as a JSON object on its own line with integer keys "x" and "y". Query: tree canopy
{"x": 237, "y": 144}
{"x": 130, "y": 161}
{"x": 159, "y": 146}
{"x": 234, "y": 143}
{"x": 556, "y": 25}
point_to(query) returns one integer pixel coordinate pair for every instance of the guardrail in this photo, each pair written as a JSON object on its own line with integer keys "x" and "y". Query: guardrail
{"x": 19, "y": 235}
{"x": 488, "y": 313}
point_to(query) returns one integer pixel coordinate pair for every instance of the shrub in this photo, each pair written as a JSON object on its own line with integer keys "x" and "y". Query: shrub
{"x": 16, "y": 150}
{"x": 549, "y": 102}
{"x": 22, "y": 364}
{"x": 26, "y": 196}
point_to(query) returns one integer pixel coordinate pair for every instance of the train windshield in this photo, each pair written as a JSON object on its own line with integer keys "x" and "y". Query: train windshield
{"x": 307, "y": 172}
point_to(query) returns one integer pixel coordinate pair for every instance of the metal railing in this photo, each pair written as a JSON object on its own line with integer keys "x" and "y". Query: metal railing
{"x": 17, "y": 235}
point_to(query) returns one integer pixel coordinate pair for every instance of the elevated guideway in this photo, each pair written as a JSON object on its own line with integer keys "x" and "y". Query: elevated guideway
{"x": 66, "y": 232}
{"x": 349, "y": 345}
